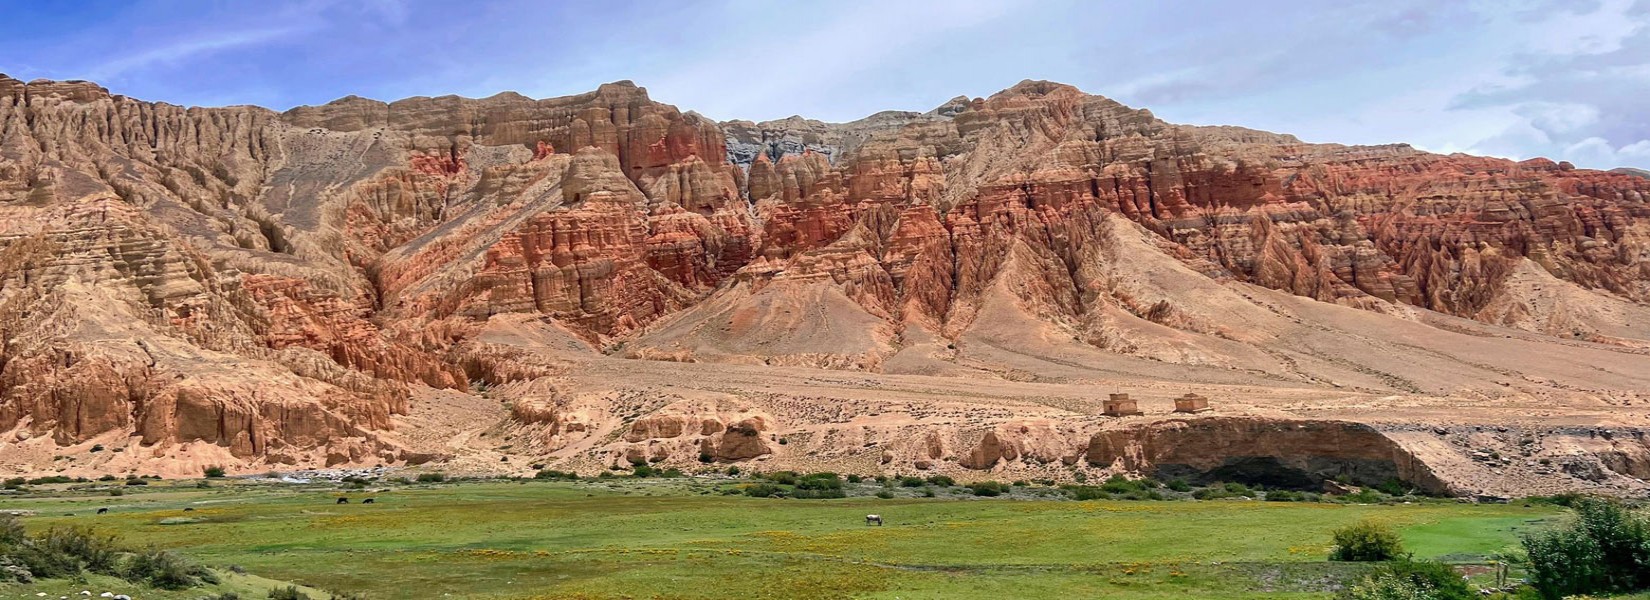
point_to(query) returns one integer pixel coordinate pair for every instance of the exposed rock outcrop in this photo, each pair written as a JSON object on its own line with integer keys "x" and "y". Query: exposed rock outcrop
{"x": 282, "y": 285}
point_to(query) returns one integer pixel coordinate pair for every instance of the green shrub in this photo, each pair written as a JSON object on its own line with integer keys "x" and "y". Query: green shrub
{"x": 1366, "y": 541}
{"x": 989, "y": 488}
{"x": 1606, "y": 549}
{"x": 911, "y": 482}
{"x": 213, "y": 472}
{"x": 287, "y": 593}
{"x": 432, "y": 477}
{"x": 1179, "y": 485}
{"x": 942, "y": 481}
{"x": 50, "y": 479}
{"x": 928, "y": 492}
{"x": 1119, "y": 484}
{"x": 1393, "y": 487}
{"x": 1567, "y": 499}
{"x": 855, "y": 478}
{"x": 884, "y": 494}
{"x": 764, "y": 490}
{"x": 820, "y": 481}
{"x": 642, "y": 470}
{"x": 1238, "y": 489}
{"x": 117, "y": 492}
{"x": 1284, "y": 496}
{"x": 11, "y": 531}
{"x": 1086, "y": 492}
{"x": 165, "y": 570}
{"x": 1142, "y": 495}
{"x": 136, "y": 482}
{"x": 782, "y": 477}
{"x": 1410, "y": 580}
{"x": 1364, "y": 496}
{"x": 553, "y": 474}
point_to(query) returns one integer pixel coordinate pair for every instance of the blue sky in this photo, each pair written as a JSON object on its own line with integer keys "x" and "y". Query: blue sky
{"x": 1517, "y": 78}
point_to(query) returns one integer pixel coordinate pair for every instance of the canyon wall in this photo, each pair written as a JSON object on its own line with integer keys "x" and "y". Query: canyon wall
{"x": 281, "y": 286}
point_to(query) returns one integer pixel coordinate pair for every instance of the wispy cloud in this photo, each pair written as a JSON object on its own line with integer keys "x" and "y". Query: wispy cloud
{"x": 181, "y": 52}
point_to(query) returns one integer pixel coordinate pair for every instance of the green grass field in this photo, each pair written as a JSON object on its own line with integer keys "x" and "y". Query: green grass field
{"x": 678, "y": 539}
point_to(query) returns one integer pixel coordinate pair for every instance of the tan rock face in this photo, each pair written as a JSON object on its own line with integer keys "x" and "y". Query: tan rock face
{"x": 336, "y": 259}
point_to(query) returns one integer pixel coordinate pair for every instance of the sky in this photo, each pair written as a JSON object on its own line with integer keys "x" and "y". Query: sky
{"x": 1563, "y": 79}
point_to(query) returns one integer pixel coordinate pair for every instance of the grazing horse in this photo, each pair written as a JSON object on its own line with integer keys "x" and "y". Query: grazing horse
{"x": 367, "y": 501}
{"x": 869, "y": 519}
{"x": 343, "y": 500}
{"x": 102, "y": 511}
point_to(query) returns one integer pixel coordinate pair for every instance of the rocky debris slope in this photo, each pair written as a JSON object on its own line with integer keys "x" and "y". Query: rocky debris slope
{"x": 256, "y": 287}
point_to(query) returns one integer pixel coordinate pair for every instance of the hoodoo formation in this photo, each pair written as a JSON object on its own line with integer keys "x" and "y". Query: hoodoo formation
{"x": 596, "y": 279}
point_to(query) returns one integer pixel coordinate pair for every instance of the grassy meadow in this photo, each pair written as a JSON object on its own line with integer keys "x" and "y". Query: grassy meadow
{"x": 681, "y": 538}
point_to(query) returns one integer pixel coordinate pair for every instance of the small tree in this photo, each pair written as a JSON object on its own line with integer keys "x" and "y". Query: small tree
{"x": 1606, "y": 549}
{"x": 1366, "y": 541}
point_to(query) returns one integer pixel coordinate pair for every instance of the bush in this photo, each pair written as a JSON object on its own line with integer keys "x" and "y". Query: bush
{"x": 820, "y": 481}
{"x": 1366, "y": 541}
{"x": 1606, "y": 549}
{"x": 165, "y": 570}
{"x": 989, "y": 488}
{"x": 50, "y": 479}
{"x": 909, "y": 481}
{"x": 1180, "y": 485}
{"x": 1119, "y": 484}
{"x": 287, "y": 593}
{"x": 942, "y": 481}
{"x": 553, "y": 474}
{"x": 671, "y": 473}
{"x": 432, "y": 477}
{"x": 1410, "y": 580}
{"x": 1393, "y": 487}
{"x": 214, "y": 472}
{"x": 136, "y": 482}
{"x": 1142, "y": 495}
{"x": 11, "y": 531}
{"x": 884, "y": 494}
{"x": 1284, "y": 496}
{"x": 1567, "y": 499}
{"x": 642, "y": 470}
{"x": 855, "y": 478}
{"x": 733, "y": 471}
{"x": 1364, "y": 496}
{"x": 764, "y": 490}
{"x": 106, "y": 478}
{"x": 782, "y": 477}
{"x": 1087, "y": 492}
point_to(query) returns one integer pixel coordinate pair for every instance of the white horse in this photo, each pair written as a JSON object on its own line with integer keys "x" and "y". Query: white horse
{"x": 869, "y": 519}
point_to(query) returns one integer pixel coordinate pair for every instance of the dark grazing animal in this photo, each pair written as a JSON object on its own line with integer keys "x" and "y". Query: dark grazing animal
{"x": 343, "y": 500}
{"x": 367, "y": 501}
{"x": 102, "y": 511}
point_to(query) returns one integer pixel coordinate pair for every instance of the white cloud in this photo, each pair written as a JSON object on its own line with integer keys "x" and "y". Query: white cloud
{"x": 181, "y": 51}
